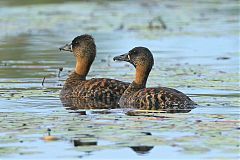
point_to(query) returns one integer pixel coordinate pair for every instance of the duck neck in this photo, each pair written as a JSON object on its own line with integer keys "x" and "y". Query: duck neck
{"x": 82, "y": 66}
{"x": 141, "y": 76}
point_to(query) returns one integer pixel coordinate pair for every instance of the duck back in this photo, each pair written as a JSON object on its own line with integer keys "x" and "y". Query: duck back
{"x": 103, "y": 89}
{"x": 161, "y": 98}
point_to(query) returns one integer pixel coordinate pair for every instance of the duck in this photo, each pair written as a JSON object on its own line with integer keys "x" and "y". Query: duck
{"x": 78, "y": 86}
{"x": 157, "y": 98}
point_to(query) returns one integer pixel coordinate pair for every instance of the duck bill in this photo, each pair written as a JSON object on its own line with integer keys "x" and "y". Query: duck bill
{"x": 123, "y": 57}
{"x": 67, "y": 47}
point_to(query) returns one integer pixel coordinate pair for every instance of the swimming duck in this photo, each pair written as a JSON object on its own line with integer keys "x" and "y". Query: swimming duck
{"x": 76, "y": 85}
{"x": 140, "y": 97}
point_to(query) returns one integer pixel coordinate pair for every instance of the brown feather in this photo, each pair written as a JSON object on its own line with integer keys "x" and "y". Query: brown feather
{"x": 97, "y": 88}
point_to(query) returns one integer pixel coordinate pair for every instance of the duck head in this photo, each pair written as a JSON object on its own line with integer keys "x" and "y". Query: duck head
{"x": 84, "y": 49}
{"x": 142, "y": 59}
{"x": 138, "y": 56}
{"x": 81, "y": 46}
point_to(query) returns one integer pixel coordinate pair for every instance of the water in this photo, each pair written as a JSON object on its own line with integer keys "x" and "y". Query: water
{"x": 197, "y": 53}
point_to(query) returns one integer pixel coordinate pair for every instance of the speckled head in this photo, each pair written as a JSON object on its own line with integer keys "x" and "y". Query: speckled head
{"x": 138, "y": 56}
{"x": 82, "y": 46}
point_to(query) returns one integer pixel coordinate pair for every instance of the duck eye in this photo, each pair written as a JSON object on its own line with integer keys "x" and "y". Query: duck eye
{"x": 134, "y": 52}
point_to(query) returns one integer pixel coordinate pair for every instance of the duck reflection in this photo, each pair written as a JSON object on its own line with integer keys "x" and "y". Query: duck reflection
{"x": 84, "y": 140}
{"x": 138, "y": 149}
{"x": 91, "y": 141}
{"x": 78, "y": 143}
{"x": 76, "y": 104}
{"x": 142, "y": 149}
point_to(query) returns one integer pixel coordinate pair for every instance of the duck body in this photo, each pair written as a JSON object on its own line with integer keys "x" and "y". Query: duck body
{"x": 158, "y": 98}
{"x": 103, "y": 89}
{"x": 98, "y": 90}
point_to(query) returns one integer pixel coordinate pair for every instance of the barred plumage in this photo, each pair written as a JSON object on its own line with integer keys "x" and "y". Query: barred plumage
{"x": 140, "y": 97}
{"x": 96, "y": 88}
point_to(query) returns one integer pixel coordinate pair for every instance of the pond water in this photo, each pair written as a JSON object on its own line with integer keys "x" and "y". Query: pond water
{"x": 196, "y": 50}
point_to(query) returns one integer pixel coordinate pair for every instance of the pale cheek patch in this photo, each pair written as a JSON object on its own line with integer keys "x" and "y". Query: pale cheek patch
{"x": 129, "y": 57}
